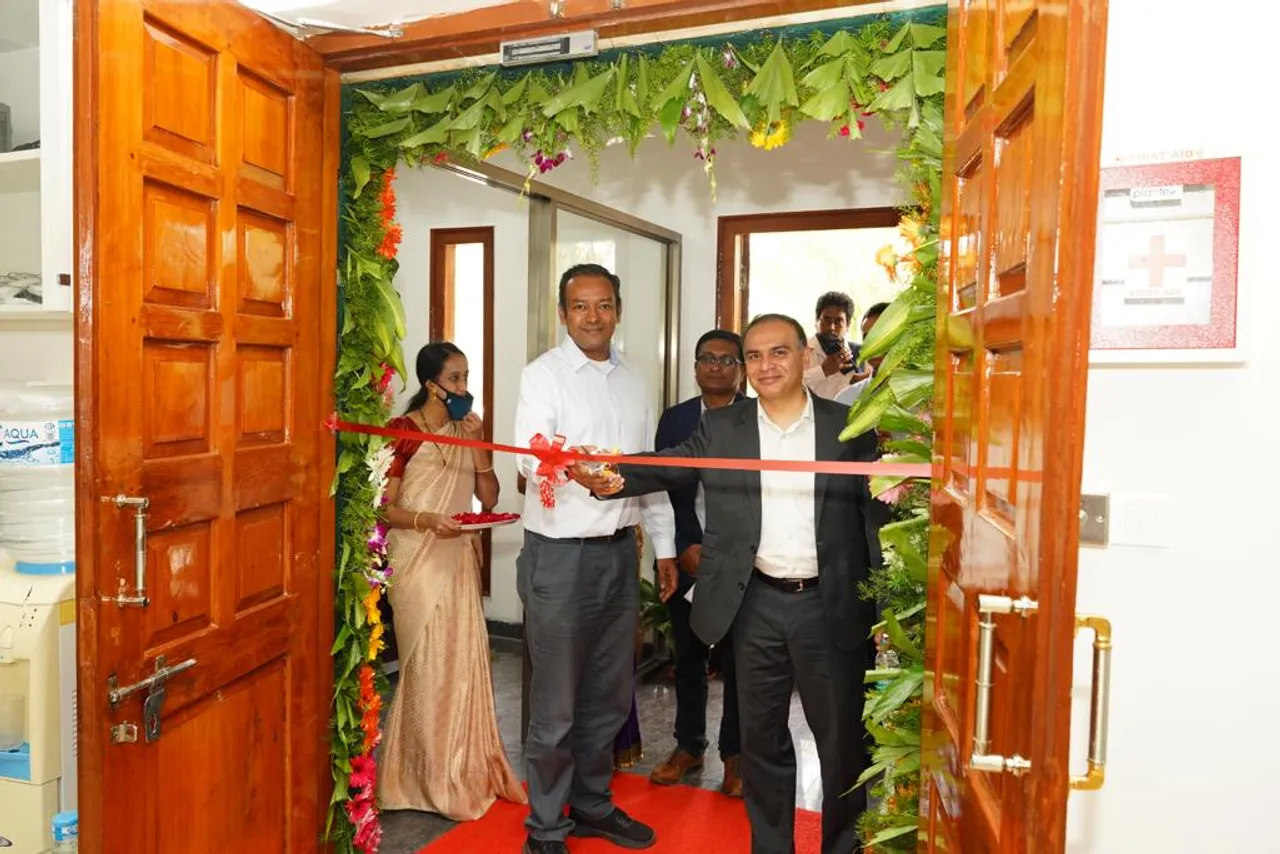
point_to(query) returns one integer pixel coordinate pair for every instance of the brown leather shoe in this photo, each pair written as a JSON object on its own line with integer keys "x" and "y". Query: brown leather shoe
{"x": 732, "y": 785}
{"x": 679, "y": 764}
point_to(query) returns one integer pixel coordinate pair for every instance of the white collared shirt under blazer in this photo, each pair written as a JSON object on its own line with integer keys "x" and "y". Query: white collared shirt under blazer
{"x": 605, "y": 404}
{"x": 788, "y": 540}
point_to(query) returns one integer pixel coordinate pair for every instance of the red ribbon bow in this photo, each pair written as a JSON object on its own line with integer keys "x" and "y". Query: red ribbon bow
{"x": 553, "y": 463}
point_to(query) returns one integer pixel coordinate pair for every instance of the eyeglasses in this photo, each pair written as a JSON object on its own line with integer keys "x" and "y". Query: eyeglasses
{"x": 706, "y": 360}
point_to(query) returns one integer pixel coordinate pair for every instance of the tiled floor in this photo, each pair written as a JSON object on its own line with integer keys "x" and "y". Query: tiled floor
{"x": 407, "y": 832}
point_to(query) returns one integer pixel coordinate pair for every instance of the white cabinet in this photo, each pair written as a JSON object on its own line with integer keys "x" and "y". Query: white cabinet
{"x": 36, "y": 226}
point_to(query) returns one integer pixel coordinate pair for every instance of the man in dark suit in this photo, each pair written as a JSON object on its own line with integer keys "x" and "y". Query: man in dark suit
{"x": 718, "y": 360}
{"x": 783, "y": 555}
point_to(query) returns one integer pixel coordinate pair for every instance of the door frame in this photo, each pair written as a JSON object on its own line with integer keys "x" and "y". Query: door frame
{"x": 733, "y": 291}
{"x": 91, "y": 741}
{"x": 480, "y": 31}
{"x": 439, "y": 328}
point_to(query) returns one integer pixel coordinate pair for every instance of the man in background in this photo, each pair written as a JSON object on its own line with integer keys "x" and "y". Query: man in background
{"x": 718, "y": 363}
{"x": 831, "y": 361}
{"x": 849, "y": 394}
{"x": 578, "y": 573}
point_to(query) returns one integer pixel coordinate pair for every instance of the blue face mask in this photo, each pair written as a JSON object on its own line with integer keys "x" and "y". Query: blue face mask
{"x": 458, "y": 405}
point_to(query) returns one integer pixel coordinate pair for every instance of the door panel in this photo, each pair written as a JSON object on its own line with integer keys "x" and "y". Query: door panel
{"x": 204, "y": 375}
{"x": 1020, "y": 184}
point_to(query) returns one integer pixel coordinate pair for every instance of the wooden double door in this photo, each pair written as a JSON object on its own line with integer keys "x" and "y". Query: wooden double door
{"x": 206, "y": 161}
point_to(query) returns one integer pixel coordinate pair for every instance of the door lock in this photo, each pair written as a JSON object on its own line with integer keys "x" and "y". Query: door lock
{"x": 152, "y": 704}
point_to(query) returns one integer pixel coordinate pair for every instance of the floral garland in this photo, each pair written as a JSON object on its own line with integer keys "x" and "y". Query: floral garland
{"x": 757, "y": 85}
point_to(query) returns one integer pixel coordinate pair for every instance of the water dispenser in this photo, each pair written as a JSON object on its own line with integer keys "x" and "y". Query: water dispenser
{"x": 37, "y": 705}
{"x": 37, "y": 614}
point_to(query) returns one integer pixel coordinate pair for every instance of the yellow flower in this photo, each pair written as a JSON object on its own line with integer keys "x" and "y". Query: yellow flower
{"x": 888, "y": 259}
{"x": 371, "y": 612}
{"x": 497, "y": 149}
{"x": 772, "y": 135}
{"x": 376, "y": 644}
{"x": 910, "y": 228}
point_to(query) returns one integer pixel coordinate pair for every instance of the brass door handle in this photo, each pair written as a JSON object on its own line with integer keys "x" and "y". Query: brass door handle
{"x": 139, "y": 506}
{"x": 1099, "y": 703}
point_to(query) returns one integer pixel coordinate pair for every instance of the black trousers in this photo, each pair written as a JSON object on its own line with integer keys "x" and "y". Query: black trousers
{"x": 691, "y": 682}
{"x": 781, "y": 642}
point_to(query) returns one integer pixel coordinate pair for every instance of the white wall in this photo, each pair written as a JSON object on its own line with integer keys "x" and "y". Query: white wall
{"x": 663, "y": 185}
{"x": 427, "y": 199}
{"x": 1194, "y": 697}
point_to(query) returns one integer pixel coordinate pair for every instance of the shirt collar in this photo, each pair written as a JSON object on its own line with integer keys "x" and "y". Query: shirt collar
{"x": 807, "y": 416}
{"x": 577, "y": 359}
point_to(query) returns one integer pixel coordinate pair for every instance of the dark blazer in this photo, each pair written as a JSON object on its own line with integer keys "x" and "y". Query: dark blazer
{"x": 732, "y": 535}
{"x": 677, "y": 424}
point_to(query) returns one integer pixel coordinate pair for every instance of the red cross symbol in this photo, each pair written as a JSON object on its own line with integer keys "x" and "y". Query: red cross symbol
{"x": 1155, "y": 262}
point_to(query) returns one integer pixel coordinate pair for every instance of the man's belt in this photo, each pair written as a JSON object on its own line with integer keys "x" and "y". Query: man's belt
{"x": 788, "y": 585}
{"x": 617, "y": 536}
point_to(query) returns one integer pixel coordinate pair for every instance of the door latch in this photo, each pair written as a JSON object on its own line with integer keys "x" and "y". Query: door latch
{"x": 152, "y": 704}
{"x": 151, "y": 707}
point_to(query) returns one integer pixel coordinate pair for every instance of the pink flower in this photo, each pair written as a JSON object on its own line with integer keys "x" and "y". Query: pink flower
{"x": 893, "y": 494}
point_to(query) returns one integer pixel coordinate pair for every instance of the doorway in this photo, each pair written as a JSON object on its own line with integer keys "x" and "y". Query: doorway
{"x": 782, "y": 262}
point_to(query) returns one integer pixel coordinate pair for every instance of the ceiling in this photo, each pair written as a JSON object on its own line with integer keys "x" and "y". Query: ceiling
{"x": 364, "y": 13}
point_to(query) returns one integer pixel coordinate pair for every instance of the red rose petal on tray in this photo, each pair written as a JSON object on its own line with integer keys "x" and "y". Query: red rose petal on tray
{"x": 484, "y": 518}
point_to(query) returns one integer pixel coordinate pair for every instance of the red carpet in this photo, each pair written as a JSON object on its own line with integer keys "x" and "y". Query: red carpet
{"x": 686, "y": 820}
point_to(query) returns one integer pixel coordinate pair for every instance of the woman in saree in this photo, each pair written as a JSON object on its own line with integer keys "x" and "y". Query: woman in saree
{"x": 441, "y": 751}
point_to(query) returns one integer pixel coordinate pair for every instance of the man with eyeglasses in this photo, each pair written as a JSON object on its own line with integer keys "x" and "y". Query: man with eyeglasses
{"x": 718, "y": 372}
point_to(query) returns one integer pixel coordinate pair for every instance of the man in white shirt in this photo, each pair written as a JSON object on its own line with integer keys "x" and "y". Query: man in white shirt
{"x": 578, "y": 573}
{"x": 850, "y": 394}
{"x": 783, "y": 556}
{"x": 831, "y": 362}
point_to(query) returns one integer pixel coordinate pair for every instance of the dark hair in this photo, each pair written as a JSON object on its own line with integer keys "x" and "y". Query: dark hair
{"x": 835, "y": 299}
{"x": 590, "y": 270}
{"x": 720, "y": 335}
{"x": 431, "y": 359}
{"x": 801, "y": 337}
{"x": 875, "y": 311}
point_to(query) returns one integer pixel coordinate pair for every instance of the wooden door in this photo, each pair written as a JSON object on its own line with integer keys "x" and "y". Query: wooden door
{"x": 1020, "y": 201}
{"x": 205, "y": 207}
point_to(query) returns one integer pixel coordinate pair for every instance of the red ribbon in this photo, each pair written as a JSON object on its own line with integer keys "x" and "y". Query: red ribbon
{"x": 554, "y": 459}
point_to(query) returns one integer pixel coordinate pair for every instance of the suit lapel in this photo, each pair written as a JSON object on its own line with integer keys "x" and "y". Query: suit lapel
{"x": 827, "y": 447}
{"x": 749, "y": 448}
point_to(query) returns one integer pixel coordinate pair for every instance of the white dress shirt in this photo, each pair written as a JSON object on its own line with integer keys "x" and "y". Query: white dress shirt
{"x": 788, "y": 537}
{"x": 818, "y": 382}
{"x": 850, "y": 395}
{"x": 604, "y": 404}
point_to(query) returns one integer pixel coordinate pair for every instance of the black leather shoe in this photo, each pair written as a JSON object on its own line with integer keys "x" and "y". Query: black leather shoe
{"x": 617, "y": 827}
{"x": 544, "y": 846}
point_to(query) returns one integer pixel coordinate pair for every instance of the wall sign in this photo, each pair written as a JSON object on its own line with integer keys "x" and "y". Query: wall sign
{"x": 1168, "y": 236}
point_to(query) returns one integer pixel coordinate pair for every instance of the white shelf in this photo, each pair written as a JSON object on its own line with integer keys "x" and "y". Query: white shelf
{"x": 34, "y": 317}
{"x": 20, "y": 171}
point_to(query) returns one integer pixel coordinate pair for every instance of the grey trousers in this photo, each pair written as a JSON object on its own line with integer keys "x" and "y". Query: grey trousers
{"x": 581, "y": 602}
{"x": 780, "y": 641}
